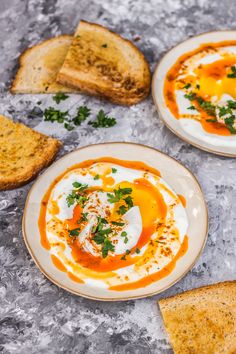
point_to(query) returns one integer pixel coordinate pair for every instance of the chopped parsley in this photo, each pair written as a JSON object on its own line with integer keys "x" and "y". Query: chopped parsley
{"x": 52, "y": 114}
{"x": 107, "y": 246}
{"x": 83, "y": 113}
{"x": 74, "y": 232}
{"x": 187, "y": 86}
{"x": 190, "y": 96}
{"x": 191, "y": 107}
{"x": 118, "y": 194}
{"x": 103, "y": 121}
{"x": 114, "y": 170}
{"x": 96, "y": 177}
{"x": 101, "y": 237}
{"x": 55, "y": 115}
{"x": 137, "y": 250}
{"x": 127, "y": 252}
{"x": 77, "y": 195}
{"x": 83, "y": 218}
{"x": 118, "y": 223}
{"x": 122, "y": 210}
{"x": 124, "y": 234}
{"x": 60, "y": 96}
{"x": 232, "y": 75}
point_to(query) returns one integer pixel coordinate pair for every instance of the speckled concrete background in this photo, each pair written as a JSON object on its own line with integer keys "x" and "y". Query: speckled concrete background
{"x": 35, "y": 315}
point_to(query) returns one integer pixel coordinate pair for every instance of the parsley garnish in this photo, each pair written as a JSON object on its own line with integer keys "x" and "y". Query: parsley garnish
{"x": 83, "y": 218}
{"x": 190, "y": 96}
{"x": 232, "y": 75}
{"x": 137, "y": 250}
{"x": 101, "y": 237}
{"x": 191, "y": 107}
{"x": 123, "y": 258}
{"x": 54, "y": 115}
{"x": 77, "y": 195}
{"x": 114, "y": 170}
{"x": 124, "y": 234}
{"x": 118, "y": 194}
{"x": 83, "y": 112}
{"x": 103, "y": 121}
{"x": 96, "y": 177}
{"x": 108, "y": 246}
{"x": 118, "y": 223}
{"x": 187, "y": 86}
{"x": 60, "y": 96}
{"x": 74, "y": 232}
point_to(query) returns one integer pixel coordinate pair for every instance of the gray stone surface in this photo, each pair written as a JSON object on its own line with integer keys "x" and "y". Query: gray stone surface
{"x": 35, "y": 315}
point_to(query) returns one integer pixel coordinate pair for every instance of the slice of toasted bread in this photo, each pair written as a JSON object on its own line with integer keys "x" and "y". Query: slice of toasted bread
{"x": 39, "y": 66}
{"x": 100, "y": 62}
{"x": 203, "y": 320}
{"x": 23, "y": 153}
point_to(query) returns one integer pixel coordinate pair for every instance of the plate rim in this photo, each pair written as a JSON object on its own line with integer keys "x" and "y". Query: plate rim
{"x": 127, "y": 298}
{"x": 154, "y": 96}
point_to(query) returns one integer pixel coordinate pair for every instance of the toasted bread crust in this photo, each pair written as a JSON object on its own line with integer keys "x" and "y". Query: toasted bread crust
{"x": 202, "y": 320}
{"x": 28, "y": 63}
{"x": 23, "y": 153}
{"x": 123, "y": 78}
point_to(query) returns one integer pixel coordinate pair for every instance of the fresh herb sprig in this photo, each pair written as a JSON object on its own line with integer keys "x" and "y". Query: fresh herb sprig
{"x": 60, "y": 96}
{"x": 52, "y": 114}
{"x": 77, "y": 195}
{"x": 103, "y": 121}
{"x": 232, "y": 75}
{"x": 211, "y": 109}
{"x": 101, "y": 237}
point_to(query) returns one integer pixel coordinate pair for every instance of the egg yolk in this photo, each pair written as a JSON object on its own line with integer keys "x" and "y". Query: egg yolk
{"x": 213, "y": 79}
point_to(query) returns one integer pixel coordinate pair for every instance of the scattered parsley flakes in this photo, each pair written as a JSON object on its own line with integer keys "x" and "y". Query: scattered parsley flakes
{"x": 54, "y": 115}
{"x": 118, "y": 223}
{"x": 60, "y": 96}
{"x": 102, "y": 121}
{"x": 190, "y": 96}
{"x": 187, "y": 86}
{"x": 96, "y": 177}
{"x": 232, "y": 75}
{"x": 83, "y": 113}
{"x": 122, "y": 210}
{"x": 191, "y": 107}
{"x": 83, "y": 218}
{"x": 74, "y": 232}
{"x": 137, "y": 250}
{"x": 68, "y": 126}
{"x": 118, "y": 194}
{"x": 114, "y": 170}
{"x": 108, "y": 246}
{"x": 77, "y": 195}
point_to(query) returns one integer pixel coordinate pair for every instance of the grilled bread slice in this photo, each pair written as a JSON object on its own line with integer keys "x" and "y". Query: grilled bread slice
{"x": 100, "y": 62}
{"x": 202, "y": 320}
{"x": 23, "y": 153}
{"x": 39, "y": 66}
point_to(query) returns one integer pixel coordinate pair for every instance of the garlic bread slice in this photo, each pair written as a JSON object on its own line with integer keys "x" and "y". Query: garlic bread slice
{"x": 39, "y": 65}
{"x": 100, "y": 62}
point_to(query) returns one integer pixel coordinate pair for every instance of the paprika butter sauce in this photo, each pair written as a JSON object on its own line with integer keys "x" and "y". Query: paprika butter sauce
{"x": 147, "y": 238}
{"x": 204, "y": 72}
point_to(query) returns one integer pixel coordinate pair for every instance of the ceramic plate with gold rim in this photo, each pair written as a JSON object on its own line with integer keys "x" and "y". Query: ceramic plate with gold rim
{"x": 194, "y": 89}
{"x": 115, "y": 221}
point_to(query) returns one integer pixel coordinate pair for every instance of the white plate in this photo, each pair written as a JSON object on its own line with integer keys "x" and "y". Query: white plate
{"x": 175, "y": 174}
{"x": 158, "y": 85}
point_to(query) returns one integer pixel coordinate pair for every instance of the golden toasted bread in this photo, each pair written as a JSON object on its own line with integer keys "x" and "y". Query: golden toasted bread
{"x": 100, "y": 62}
{"x": 23, "y": 153}
{"x": 39, "y": 66}
{"x": 203, "y": 320}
